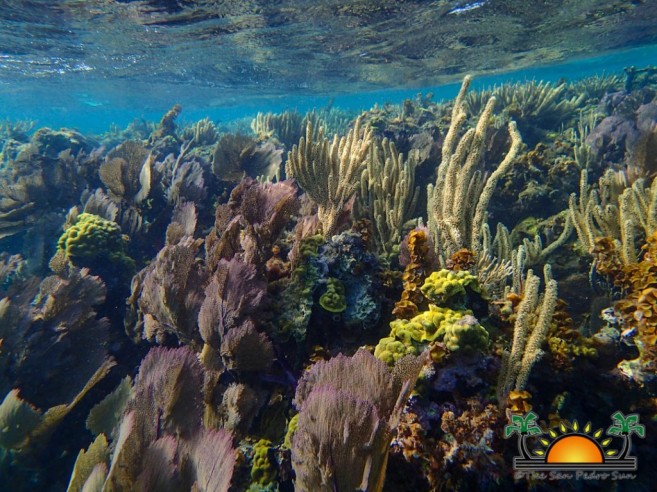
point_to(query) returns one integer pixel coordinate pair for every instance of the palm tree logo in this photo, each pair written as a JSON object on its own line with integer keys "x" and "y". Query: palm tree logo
{"x": 624, "y": 427}
{"x": 523, "y": 426}
{"x": 572, "y": 448}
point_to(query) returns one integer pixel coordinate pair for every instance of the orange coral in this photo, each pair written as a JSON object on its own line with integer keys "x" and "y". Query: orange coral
{"x": 276, "y": 267}
{"x": 565, "y": 342}
{"x": 519, "y": 401}
{"x": 363, "y": 228}
{"x": 639, "y": 307}
{"x": 607, "y": 260}
{"x": 414, "y": 274}
{"x": 463, "y": 259}
{"x": 410, "y": 437}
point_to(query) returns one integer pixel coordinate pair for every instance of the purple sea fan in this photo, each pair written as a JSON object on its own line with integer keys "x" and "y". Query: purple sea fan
{"x": 234, "y": 293}
{"x": 169, "y": 293}
{"x": 336, "y": 429}
{"x": 57, "y": 343}
{"x": 349, "y": 408}
{"x": 246, "y": 349}
{"x": 168, "y": 392}
{"x": 212, "y": 460}
{"x": 159, "y": 469}
{"x": 268, "y": 207}
{"x": 259, "y": 212}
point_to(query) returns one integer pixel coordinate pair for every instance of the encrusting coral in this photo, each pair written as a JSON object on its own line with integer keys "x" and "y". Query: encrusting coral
{"x": 333, "y": 300}
{"x": 262, "y": 469}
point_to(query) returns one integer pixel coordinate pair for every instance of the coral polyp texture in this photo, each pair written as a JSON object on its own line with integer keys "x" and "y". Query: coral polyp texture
{"x": 254, "y": 306}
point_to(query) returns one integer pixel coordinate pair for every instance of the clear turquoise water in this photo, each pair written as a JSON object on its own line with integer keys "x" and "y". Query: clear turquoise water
{"x": 86, "y": 64}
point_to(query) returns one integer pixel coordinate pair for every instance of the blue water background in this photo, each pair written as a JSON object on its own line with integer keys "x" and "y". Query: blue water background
{"x": 90, "y": 106}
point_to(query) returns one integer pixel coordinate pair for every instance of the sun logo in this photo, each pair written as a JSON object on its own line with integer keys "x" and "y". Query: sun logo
{"x": 570, "y": 447}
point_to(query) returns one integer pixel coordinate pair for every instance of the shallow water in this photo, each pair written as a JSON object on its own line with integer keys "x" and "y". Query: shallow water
{"x": 68, "y": 63}
{"x": 206, "y": 290}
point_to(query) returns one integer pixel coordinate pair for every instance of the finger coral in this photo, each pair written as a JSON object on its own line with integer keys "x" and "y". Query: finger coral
{"x": 328, "y": 172}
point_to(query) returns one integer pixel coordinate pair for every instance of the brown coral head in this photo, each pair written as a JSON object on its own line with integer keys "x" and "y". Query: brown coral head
{"x": 463, "y": 259}
{"x": 363, "y": 227}
{"x": 405, "y": 309}
{"x": 438, "y": 352}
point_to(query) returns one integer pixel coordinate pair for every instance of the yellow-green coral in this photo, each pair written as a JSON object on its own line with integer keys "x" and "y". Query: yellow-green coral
{"x": 465, "y": 334}
{"x": 448, "y": 287}
{"x": 333, "y": 300}
{"x": 457, "y": 329}
{"x": 263, "y": 471}
{"x": 291, "y": 429}
{"x": 426, "y": 326}
{"x": 92, "y": 238}
{"x": 390, "y": 350}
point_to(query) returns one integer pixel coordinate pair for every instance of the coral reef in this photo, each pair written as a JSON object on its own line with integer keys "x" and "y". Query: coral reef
{"x": 312, "y": 333}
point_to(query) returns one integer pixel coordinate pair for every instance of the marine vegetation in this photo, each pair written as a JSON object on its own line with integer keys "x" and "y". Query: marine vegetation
{"x": 330, "y": 301}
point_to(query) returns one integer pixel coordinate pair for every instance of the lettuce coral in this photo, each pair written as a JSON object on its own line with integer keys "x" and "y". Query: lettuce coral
{"x": 457, "y": 329}
{"x": 447, "y": 287}
{"x": 333, "y": 300}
